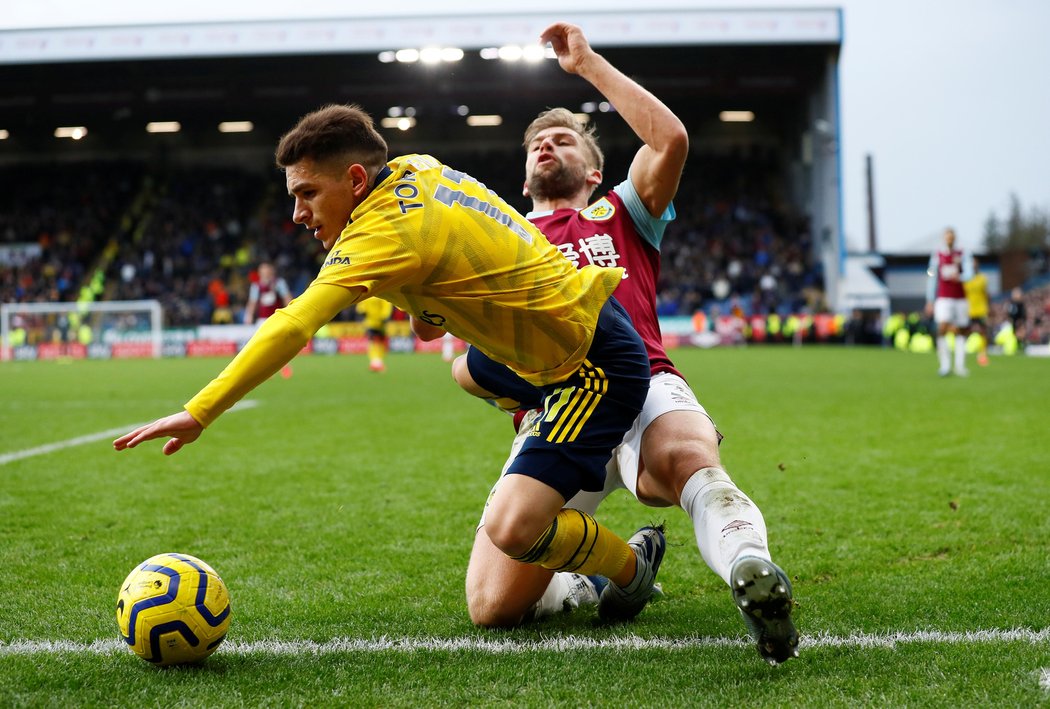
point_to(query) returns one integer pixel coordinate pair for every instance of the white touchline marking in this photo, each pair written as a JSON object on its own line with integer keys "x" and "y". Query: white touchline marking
{"x": 385, "y": 643}
{"x": 1044, "y": 679}
{"x": 92, "y": 437}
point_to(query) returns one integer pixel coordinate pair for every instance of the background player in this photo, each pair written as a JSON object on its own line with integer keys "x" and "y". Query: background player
{"x": 977, "y": 296}
{"x": 946, "y": 301}
{"x": 448, "y": 251}
{"x": 670, "y": 456}
{"x": 266, "y": 295}
{"x": 376, "y": 312}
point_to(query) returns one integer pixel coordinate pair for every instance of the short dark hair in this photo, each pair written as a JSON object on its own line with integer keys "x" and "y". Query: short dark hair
{"x": 334, "y": 133}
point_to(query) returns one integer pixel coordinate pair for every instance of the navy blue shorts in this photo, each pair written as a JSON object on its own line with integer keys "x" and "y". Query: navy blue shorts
{"x": 501, "y": 381}
{"x": 585, "y": 416}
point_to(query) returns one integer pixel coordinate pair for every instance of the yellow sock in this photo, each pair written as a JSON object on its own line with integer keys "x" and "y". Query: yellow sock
{"x": 505, "y": 403}
{"x": 576, "y": 542}
{"x": 375, "y": 351}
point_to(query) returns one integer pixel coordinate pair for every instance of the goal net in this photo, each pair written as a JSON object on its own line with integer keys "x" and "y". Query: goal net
{"x": 97, "y": 330}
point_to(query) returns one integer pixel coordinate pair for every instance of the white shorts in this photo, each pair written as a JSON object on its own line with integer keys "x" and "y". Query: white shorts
{"x": 667, "y": 392}
{"x": 954, "y": 311}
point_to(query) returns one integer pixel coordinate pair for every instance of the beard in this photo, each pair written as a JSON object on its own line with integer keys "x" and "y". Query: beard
{"x": 557, "y": 182}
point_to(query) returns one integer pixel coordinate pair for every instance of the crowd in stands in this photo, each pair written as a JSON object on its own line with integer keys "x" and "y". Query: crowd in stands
{"x": 1026, "y": 312}
{"x": 185, "y": 248}
{"x": 55, "y": 222}
{"x": 735, "y": 248}
{"x": 192, "y": 239}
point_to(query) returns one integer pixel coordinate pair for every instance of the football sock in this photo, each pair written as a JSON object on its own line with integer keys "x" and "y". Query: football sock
{"x": 375, "y": 352}
{"x": 554, "y": 599}
{"x": 942, "y": 353}
{"x": 565, "y": 592}
{"x": 726, "y": 522}
{"x": 960, "y": 353}
{"x": 574, "y": 541}
{"x": 505, "y": 403}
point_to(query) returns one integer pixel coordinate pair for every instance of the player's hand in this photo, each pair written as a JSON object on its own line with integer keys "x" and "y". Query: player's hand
{"x": 569, "y": 44}
{"x": 929, "y": 309}
{"x": 180, "y": 427}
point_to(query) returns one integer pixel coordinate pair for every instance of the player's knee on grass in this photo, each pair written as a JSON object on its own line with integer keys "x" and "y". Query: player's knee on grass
{"x": 482, "y": 601}
{"x": 489, "y": 615}
{"x": 500, "y": 591}
{"x": 491, "y": 607}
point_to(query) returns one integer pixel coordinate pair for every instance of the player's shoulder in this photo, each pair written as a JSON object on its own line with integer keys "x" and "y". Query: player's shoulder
{"x": 413, "y": 162}
{"x": 603, "y": 209}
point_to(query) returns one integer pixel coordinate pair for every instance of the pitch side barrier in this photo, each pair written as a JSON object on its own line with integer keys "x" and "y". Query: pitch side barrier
{"x": 350, "y": 338}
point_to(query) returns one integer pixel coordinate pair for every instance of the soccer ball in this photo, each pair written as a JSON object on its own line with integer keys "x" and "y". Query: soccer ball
{"x": 173, "y": 609}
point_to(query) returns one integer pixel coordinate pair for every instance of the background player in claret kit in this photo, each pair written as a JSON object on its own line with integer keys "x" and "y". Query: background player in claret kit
{"x": 267, "y": 293}
{"x": 442, "y": 247}
{"x": 946, "y": 302}
{"x": 670, "y": 456}
{"x": 376, "y": 312}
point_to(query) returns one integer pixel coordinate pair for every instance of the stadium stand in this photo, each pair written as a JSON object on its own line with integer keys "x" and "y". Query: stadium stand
{"x": 190, "y": 237}
{"x": 55, "y": 224}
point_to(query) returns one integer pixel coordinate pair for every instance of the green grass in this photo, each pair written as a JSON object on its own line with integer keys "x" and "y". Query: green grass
{"x": 343, "y": 507}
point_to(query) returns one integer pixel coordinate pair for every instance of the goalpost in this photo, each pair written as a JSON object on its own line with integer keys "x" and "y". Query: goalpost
{"x": 101, "y": 329}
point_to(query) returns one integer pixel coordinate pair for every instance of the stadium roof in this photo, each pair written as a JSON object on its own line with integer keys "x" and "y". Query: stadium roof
{"x": 356, "y": 34}
{"x": 115, "y": 79}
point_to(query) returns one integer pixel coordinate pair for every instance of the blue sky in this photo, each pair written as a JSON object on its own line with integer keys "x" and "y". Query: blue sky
{"x": 950, "y": 97}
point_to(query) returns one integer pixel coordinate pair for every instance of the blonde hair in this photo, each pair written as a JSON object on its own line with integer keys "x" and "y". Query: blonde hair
{"x": 564, "y": 118}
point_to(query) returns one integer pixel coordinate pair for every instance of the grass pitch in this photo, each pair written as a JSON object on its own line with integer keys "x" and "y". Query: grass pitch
{"x": 912, "y": 513}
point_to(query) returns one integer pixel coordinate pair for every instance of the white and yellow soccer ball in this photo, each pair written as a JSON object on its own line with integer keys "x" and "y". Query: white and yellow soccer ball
{"x": 173, "y": 609}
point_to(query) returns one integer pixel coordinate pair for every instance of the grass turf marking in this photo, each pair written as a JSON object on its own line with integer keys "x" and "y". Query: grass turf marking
{"x": 92, "y": 437}
{"x": 384, "y": 643}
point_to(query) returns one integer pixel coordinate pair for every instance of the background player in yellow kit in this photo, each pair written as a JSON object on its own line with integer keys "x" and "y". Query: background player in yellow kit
{"x": 977, "y": 296}
{"x": 451, "y": 253}
{"x": 376, "y": 312}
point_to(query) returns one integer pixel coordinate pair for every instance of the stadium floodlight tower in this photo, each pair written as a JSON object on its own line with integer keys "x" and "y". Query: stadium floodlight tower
{"x": 103, "y": 329}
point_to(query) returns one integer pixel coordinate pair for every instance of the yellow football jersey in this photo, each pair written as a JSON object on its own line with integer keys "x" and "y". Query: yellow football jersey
{"x": 977, "y": 294}
{"x": 375, "y": 312}
{"x": 442, "y": 247}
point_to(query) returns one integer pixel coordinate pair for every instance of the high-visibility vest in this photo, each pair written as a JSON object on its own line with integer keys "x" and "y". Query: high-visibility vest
{"x": 1007, "y": 339}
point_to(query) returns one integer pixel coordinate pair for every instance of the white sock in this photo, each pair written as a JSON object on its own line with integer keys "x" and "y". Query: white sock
{"x": 564, "y": 593}
{"x": 726, "y": 522}
{"x": 942, "y": 353}
{"x": 960, "y": 353}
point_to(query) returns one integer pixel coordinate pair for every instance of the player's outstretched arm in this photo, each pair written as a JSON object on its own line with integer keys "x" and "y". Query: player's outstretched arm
{"x": 273, "y": 345}
{"x": 657, "y": 167}
{"x": 180, "y": 427}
